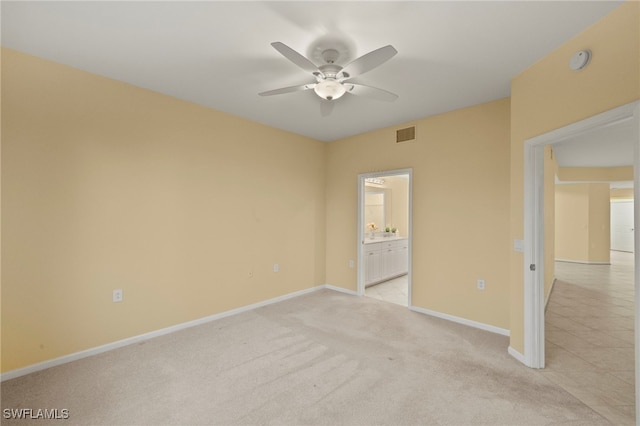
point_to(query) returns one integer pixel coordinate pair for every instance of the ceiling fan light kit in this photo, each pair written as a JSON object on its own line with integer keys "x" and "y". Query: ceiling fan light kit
{"x": 331, "y": 77}
{"x": 330, "y": 89}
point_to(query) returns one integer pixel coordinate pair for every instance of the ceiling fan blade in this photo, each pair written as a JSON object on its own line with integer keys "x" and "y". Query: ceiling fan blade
{"x": 370, "y": 92}
{"x": 295, "y": 57}
{"x": 326, "y": 107}
{"x": 368, "y": 62}
{"x": 288, "y": 89}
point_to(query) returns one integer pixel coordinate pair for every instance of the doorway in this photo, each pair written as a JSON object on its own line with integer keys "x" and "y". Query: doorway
{"x": 384, "y": 236}
{"x": 589, "y": 314}
{"x": 622, "y": 225}
{"x": 534, "y": 333}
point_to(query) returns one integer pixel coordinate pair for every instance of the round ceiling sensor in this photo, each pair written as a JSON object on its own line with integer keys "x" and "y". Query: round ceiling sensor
{"x": 580, "y": 60}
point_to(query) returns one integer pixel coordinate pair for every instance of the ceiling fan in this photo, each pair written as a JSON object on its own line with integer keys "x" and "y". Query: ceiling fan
{"x": 332, "y": 80}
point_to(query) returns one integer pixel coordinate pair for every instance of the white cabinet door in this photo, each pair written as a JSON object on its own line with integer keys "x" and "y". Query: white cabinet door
{"x": 373, "y": 265}
{"x": 385, "y": 260}
{"x": 403, "y": 258}
{"x": 388, "y": 262}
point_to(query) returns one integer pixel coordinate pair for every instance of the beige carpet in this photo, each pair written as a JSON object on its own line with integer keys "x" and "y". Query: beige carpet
{"x": 324, "y": 358}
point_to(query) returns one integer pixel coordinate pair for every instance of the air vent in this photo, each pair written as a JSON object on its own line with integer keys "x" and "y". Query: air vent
{"x": 404, "y": 135}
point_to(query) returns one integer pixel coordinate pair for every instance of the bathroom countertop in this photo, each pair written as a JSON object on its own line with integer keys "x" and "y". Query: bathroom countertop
{"x": 382, "y": 239}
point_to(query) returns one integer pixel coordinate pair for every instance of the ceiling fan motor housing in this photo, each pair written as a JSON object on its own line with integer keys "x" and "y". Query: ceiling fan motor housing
{"x": 330, "y": 55}
{"x": 330, "y": 70}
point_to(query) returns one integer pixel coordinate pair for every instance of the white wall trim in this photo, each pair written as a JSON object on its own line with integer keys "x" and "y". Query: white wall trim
{"x": 599, "y": 121}
{"x": 340, "y": 289}
{"x": 157, "y": 333}
{"x": 636, "y": 243}
{"x": 583, "y": 262}
{"x": 517, "y": 355}
{"x": 533, "y": 255}
{"x": 463, "y": 321}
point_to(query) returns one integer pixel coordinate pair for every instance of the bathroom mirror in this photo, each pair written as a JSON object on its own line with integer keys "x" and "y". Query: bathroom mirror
{"x": 374, "y": 209}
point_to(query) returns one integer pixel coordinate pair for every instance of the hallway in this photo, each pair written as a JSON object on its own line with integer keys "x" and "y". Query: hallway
{"x": 589, "y": 329}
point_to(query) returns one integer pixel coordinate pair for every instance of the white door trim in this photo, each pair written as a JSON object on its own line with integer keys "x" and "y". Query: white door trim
{"x": 534, "y": 229}
{"x": 361, "y": 235}
{"x": 533, "y": 255}
{"x": 636, "y": 254}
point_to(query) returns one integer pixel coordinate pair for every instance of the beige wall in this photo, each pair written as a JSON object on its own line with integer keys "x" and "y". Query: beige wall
{"x": 599, "y": 223}
{"x": 549, "y": 95}
{"x": 460, "y": 164}
{"x": 595, "y": 174}
{"x": 105, "y": 186}
{"x": 583, "y": 223}
{"x": 572, "y": 222}
{"x": 622, "y": 194}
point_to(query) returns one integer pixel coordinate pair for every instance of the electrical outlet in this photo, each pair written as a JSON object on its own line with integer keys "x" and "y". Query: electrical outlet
{"x": 276, "y": 267}
{"x": 480, "y": 284}
{"x": 117, "y": 295}
{"x": 352, "y": 264}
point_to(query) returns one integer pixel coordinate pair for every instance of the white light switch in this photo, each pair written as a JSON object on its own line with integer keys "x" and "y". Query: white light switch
{"x": 518, "y": 245}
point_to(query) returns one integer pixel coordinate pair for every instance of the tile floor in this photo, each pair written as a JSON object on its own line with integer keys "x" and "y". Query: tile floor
{"x": 589, "y": 326}
{"x": 394, "y": 291}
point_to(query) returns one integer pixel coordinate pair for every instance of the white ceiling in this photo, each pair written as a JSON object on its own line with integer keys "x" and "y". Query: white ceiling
{"x": 610, "y": 146}
{"x": 218, "y": 54}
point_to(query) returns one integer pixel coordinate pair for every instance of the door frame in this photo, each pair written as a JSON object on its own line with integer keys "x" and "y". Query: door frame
{"x": 534, "y": 229}
{"x": 361, "y": 233}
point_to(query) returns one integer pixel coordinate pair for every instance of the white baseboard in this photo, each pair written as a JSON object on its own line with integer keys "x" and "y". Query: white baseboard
{"x": 582, "y": 262}
{"x": 146, "y": 336}
{"x": 157, "y": 333}
{"x": 340, "y": 289}
{"x": 464, "y": 321}
{"x": 517, "y": 355}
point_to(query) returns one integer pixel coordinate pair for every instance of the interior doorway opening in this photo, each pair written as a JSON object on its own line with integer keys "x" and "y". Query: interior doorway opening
{"x": 534, "y": 230}
{"x": 384, "y": 236}
{"x": 589, "y": 313}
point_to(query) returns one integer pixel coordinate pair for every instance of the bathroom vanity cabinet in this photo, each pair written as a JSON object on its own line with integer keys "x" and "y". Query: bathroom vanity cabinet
{"x": 385, "y": 259}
